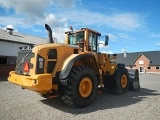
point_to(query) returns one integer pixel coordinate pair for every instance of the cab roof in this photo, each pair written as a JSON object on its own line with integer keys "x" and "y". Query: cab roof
{"x": 84, "y": 29}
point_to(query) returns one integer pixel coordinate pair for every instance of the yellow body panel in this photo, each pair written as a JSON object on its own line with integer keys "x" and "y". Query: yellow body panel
{"x": 66, "y": 61}
{"x": 39, "y": 82}
{"x": 63, "y": 52}
{"x": 104, "y": 63}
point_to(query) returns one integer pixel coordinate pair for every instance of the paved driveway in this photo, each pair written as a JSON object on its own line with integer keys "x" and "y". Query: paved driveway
{"x": 16, "y": 103}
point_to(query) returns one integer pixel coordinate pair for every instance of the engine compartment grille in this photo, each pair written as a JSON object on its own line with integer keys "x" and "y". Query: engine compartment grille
{"x": 23, "y": 57}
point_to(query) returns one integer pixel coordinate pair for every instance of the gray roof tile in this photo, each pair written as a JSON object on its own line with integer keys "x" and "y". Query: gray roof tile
{"x": 21, "y": 38}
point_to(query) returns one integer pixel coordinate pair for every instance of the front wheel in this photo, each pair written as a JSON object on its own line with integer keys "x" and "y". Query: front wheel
{"x": 81, "y": 88}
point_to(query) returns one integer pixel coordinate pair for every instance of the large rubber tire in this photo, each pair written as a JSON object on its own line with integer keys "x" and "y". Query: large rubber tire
{"x": 120, "y": 81}
{"x": 81, "y": 88}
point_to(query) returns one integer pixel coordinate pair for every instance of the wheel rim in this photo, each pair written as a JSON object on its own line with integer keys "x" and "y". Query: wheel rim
{"x": 85, "y": 87}
{"x": 124, "y": 81}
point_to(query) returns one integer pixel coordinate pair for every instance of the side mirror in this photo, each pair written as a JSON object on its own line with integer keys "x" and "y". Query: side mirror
{"x": 106, "y": 40}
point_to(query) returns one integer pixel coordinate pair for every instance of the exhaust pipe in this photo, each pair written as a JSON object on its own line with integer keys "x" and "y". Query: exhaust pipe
{"x": 49, "y": 33}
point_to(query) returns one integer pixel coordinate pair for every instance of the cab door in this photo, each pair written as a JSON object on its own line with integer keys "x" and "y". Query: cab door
{"x": 92, "y": 41}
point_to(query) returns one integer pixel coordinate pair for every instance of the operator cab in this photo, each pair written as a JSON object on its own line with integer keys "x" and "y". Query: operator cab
{"x": 85, "y": 39}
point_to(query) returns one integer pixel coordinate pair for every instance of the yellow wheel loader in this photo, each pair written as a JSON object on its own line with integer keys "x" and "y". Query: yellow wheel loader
{"x": 74, "y": 70}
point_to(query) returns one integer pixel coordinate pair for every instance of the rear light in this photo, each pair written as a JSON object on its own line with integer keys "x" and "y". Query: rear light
{"x": 26, "y": 67}
{"x": 40, "y": 65}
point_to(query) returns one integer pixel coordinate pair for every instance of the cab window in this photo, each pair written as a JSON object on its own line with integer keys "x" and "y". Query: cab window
{"x": 92, "y": 40}
{"x": 74, "y": 38}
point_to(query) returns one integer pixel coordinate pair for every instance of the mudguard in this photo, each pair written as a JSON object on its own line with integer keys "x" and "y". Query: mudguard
{"x": 71, "y": 60}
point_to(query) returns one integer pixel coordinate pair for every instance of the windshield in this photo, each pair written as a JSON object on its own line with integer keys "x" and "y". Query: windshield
{"x": 76, "y": 37}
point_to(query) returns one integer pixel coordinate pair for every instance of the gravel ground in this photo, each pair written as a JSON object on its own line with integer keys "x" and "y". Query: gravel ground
{"x": 16, "y": 103}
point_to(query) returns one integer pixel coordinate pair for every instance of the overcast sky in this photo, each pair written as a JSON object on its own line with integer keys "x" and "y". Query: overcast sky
{"x": 132, "y": 25}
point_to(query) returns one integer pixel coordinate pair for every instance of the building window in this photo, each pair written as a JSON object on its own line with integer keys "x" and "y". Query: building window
{"x": 3, "y": 60}
{"x": 141, "y": 62}
{"x": 157, "y": 67}
{"x": 148, "y": 67}
{"x": 8, "y": 60}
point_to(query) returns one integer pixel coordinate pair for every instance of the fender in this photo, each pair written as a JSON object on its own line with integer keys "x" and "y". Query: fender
{"x": 70, "y": 61}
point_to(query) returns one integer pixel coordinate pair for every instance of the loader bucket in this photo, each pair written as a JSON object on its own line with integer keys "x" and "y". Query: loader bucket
{"x": 134, "y": 84}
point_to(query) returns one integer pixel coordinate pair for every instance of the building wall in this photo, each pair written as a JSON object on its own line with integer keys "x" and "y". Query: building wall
{"x": 5, "y": 69}
{"x": 153, "y": 69}
{"x": 8, "y": 54}
{"x": 9, "y": 48}
{"x": 143, "y": 65}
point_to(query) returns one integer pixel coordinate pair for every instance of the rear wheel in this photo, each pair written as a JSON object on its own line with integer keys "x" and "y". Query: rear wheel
{"x": 120, "y": 81}
{"x": 81, "y": 88}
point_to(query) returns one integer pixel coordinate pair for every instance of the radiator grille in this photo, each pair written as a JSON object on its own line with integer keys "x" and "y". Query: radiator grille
{"x": 23, "y": 56}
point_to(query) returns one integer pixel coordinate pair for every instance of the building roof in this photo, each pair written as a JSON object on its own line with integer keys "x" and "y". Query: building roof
{"x": 20, "y": 38}
{"x": 153, "y": 56}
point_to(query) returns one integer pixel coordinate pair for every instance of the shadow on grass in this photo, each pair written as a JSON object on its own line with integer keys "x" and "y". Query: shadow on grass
{"x": 103, "y": 101}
